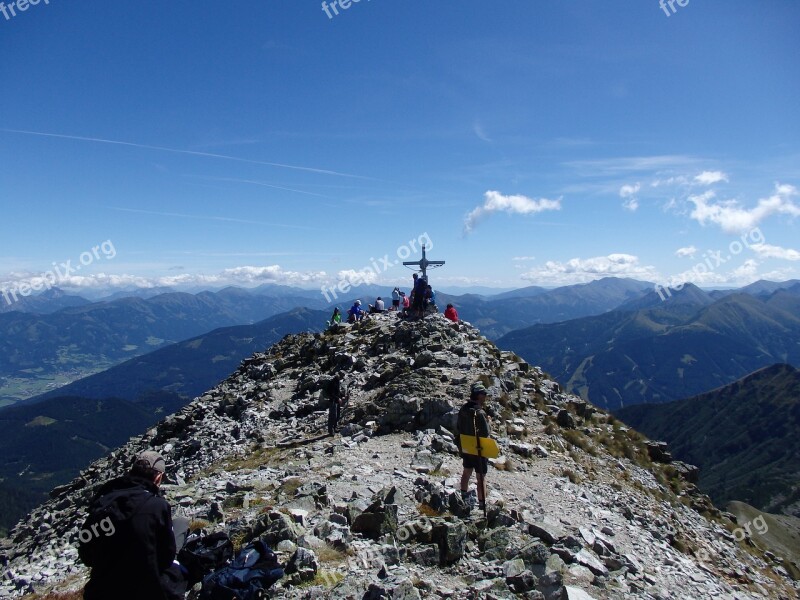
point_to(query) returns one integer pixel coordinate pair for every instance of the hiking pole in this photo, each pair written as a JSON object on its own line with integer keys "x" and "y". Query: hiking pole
{"x": 481, "y": 487}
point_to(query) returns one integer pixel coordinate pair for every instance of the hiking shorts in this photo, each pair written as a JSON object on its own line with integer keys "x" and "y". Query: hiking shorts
{"x": 481, "y": 465}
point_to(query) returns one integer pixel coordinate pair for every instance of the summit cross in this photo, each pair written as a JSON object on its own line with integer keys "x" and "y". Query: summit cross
{"x": 424, "y": 263}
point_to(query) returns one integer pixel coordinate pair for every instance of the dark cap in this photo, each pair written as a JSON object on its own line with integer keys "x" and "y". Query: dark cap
{"x": 151, "y": 460}
{"x": 477, "y": 388}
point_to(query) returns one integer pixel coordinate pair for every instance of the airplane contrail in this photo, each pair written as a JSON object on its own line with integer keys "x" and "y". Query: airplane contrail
{"x": 262, "y": 183}
{"x": 189, "y": 152}
{"x": 208, "y": 218}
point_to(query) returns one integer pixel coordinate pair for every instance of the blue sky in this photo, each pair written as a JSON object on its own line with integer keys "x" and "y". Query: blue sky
{"x": 541, "y": 143}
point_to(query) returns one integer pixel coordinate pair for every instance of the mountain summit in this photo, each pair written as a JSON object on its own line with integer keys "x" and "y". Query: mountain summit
{"x": 577, "y": 507}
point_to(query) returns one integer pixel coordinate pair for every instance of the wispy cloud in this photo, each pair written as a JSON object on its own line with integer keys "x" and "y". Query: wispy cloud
{"x": 497, "y": 202}
{"x": 187, "y": 152}
{"x": 523, "y": 258}
{"x": 480, "y": 132}
{"x": 688, "y": 251}
{"x": 631, "y": 164}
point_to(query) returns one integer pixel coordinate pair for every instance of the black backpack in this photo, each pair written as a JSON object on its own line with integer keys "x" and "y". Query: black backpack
{"x": 254, "y": 570}
{"x": 204, "y": 554}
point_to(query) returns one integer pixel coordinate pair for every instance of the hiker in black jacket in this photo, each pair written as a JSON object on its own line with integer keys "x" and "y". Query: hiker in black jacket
{"x": 335, "y": 403}
{"x": 128, "y": 538}
{"x": 472, "y": 421}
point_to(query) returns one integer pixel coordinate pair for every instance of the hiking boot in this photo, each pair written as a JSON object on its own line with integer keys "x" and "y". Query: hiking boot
{"x": 469, "y": 498}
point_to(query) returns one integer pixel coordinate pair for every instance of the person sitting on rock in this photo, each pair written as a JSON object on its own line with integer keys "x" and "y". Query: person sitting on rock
{"x": 451, "y": 313}
{"x": 472, "y": 421}
{"x": 336, "y": 317}
{"x": 356, "y": 313}
{"x": 379, "y": 306}
{"x": 128, "y": 539}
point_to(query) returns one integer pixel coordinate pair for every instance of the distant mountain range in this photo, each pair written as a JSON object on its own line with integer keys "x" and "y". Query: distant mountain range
{"x": 498, "y": 315}
{"x": 654, "y": 351}
{"x": 40, "y": 351}
{"x": 45, "y": 441}
{"x": 744, "y": 437}
{"x": 190, "y": 367}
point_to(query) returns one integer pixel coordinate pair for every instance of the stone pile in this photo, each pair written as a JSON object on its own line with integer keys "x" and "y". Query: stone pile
{"x": 376, "y": 512}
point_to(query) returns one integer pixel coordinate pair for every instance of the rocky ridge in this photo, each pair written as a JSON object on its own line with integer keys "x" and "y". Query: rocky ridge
{"x": 578, "y": 509}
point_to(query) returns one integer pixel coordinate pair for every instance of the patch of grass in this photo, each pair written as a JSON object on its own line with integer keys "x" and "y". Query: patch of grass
{"x": 290, "y": 486}
{"x": 427, "y": 511}
{"x": 76, "y": 595}
{"x": 328, "y": 554}
{"x": 440, "y": 472}
{"x": 579, "y": 440}
{"x": 198, "y": 524}
{"x": 327, "y": 579}
{"x": 572, "y": 476}
{"x": 239, "y": 541}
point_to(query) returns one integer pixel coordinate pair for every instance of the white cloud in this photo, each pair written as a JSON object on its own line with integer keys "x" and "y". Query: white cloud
{"x": 245, "y": 275}
{"x": 689, "y": 251}
{"x": 768, "y": 251}
{"x": 678, "y": 180}
{"x": 746, "y": 273}
{"x": 732, "y": 218}
{"x": 497, "y": 202}
{"x": 356, "y": 278}
{"x": 579, "y": 270}
{"x": 629, "y": 193}
{"x": 626, "y": 191}
{"x": 710, "y": 177}
{"x": 523, "y": 258}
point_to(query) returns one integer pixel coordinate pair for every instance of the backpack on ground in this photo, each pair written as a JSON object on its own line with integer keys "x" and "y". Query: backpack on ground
{"x": 201, "y": 555}
{"x": 248, "y": 577}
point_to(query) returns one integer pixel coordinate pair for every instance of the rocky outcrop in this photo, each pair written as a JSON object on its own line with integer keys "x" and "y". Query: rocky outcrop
{"x": 577, "y": 509}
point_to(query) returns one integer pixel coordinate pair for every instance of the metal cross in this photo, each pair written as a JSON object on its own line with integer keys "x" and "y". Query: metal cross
{"x": 424, "y": 263}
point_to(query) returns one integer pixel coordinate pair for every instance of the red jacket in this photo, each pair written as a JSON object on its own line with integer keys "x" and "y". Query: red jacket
{"x": 451, "y": 314}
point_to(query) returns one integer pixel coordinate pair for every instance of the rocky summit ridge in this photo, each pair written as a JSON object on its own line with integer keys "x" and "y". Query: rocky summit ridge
{"x": 579, "y": 506}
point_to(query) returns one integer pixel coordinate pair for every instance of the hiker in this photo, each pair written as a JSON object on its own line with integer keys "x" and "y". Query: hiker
{"x": 418, "y": 295}
{"x": 128, "y": 539}
{"x": 430, "y": 298}
{"x": 335, "y": 403}
{"x": 356, "y": 313}
{"x": 379, "y": 306}
{"x": 396, "y": 299}
{"x": 451, "y": 313}
{"x": 406, "y": 303}
{"x": 336, "y": 317}
{"x": 472, "y": 421}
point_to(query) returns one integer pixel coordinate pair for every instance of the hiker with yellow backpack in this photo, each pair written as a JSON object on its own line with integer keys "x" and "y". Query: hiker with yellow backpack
{"x": 474, "y": 444}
